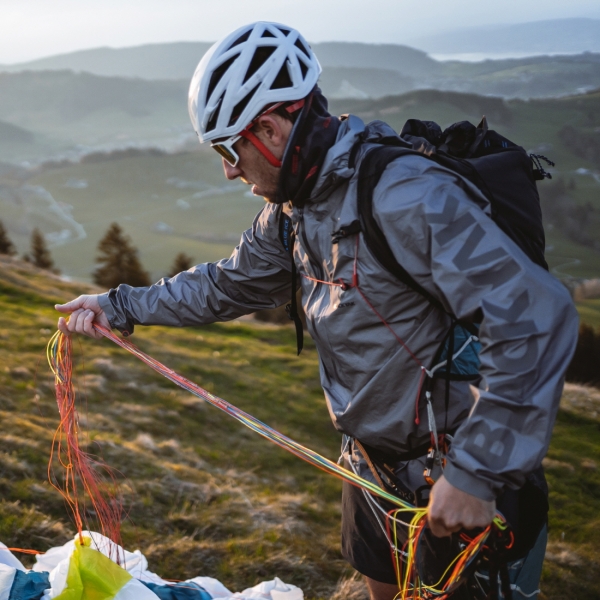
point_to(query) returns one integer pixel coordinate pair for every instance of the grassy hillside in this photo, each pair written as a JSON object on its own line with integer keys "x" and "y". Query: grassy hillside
{"x": 168, "y": 204}
{"x": 204, "y": 495}
{"x": 69, "y": 111}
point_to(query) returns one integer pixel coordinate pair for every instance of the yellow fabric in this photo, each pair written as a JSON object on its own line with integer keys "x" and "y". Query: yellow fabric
{"x": 92, "y": 576}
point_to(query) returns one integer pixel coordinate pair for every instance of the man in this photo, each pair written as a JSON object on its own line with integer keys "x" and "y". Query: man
{"x": 254, "y": 97}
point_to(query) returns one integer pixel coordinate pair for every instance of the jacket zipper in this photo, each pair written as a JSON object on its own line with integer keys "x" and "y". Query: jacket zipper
{"x": 314, "y": 265}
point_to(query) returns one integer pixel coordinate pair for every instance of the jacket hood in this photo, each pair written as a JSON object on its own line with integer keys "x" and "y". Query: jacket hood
{"x": 340, "y": 160}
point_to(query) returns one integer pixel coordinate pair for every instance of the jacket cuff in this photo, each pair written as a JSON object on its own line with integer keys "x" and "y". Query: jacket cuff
{"x": 469, "y": 483}
{"x": 116, "y": 317}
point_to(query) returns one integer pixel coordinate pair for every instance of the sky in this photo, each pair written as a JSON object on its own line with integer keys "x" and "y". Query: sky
{"x": 32, "y": 29}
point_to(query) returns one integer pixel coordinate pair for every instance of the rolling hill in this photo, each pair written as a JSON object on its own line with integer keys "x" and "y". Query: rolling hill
{"x": 352, "y": 69}
{"x": 178, "y": 60}
{"x": 203, "y": 494}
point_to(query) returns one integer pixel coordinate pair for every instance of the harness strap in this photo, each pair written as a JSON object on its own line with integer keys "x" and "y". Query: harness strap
{"x": 395, "y": 485}
{"x": 370, "y": 464}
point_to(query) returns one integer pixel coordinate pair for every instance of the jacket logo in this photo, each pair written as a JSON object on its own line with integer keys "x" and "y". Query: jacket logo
{"x": 344, "y": 305}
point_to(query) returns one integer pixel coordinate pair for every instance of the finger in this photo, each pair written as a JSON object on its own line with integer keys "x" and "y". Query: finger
{"x": 63, "y": 327}
{"x": 440, "y": 529}
{"x": 88, "y": 324}
{"x": 74, "y": 321}
{"x": 80, "y": 324}
{"x": 69, "y": 307}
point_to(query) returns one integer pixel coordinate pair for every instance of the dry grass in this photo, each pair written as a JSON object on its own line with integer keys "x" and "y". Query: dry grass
{"x": 203, "y": 494}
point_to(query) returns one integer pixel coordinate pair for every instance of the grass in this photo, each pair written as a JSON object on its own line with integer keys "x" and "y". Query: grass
{"x": 203, "y": 494}
{"x": 589, "y": 312}
{"x": 201, "y": 213}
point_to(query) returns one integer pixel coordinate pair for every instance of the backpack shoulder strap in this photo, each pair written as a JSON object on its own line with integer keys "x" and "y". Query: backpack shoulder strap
{"x": 371, "y": 168}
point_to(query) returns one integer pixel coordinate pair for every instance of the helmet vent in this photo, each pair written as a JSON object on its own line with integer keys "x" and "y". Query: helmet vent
{"x": 300, "y": 45}
{"x": 243, "y": 38}
{"x": 261, "y": 56}
{"x": 284, "y": 31}
{"x": 217, "y": 75}
{"x": 212, "y": 122}
{"x": 283, "y": 79}
{"x": 267, "y": 33}
{"x": 303, "y": 68}
{"x": 238, "y": 109}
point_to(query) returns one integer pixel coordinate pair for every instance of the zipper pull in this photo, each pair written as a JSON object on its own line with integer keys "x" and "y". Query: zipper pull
{"x": 345, "y": 231}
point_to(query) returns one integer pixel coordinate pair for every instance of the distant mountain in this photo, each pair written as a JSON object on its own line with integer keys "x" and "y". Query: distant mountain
{"x": 152, "y": 61}
{"x": 13, "y": 134}
{"x": 391, "y": 57}
{"x": 179, "y": 60}
{"x": 570, "y": 36}
{"x": 352, "y": 82}
{"x": 71, "y": 96}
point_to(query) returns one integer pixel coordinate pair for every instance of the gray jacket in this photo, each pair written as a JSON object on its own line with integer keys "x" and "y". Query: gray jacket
{"x": 439, "y": 229}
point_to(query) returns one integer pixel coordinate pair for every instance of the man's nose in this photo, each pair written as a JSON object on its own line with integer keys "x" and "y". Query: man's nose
{"x": 231, "y": 172}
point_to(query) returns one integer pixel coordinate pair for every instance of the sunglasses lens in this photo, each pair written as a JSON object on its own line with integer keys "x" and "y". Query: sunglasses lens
{"x": 227, "y": 154}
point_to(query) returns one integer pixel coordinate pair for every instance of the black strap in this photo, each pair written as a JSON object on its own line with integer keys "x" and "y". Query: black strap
{"x": 372, "y": 167}
{"x": 292, "y": 309}
{"x": 286, "y": 235}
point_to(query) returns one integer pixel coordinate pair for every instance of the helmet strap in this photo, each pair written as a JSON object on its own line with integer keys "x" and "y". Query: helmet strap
{"x": 273, "y": 160}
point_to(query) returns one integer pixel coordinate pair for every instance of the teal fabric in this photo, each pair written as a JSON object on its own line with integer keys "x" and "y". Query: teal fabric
{"x": 185, "y": 590}
{"x": 28, "y": 585}
{"x": 467, "y": 363}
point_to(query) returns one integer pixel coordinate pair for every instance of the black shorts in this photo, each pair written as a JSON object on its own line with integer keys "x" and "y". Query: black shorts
{"x": 364, "y": 544}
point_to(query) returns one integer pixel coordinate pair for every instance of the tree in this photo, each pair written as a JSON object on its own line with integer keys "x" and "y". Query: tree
{"x": 118, "y": 260}
{"x": 585, "y": 365}
{"x": 40, "y": 255}
{"x": 181, "y": 263}
{"x": 6, "y": 246}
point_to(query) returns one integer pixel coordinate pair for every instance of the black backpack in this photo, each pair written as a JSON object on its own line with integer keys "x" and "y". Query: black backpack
{"x": 501, "y": 170}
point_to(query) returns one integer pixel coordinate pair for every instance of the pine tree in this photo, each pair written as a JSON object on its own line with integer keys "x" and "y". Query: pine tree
{"x": 585, "y": 366}
{"x": 6, "y": 246}
{"x": 181, "y": 263}
{"x": 119, "y": 261}
{"x": 40, "y": 255}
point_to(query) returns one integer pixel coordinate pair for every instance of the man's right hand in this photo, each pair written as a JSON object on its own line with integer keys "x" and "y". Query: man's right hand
{"x": 84, "y": 311}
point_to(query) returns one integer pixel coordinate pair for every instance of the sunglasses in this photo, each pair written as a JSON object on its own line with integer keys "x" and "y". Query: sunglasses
{"x": 225, "y": 147}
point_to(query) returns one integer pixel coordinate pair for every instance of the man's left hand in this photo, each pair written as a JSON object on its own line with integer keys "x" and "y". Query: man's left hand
{"x": 451, "y": 509}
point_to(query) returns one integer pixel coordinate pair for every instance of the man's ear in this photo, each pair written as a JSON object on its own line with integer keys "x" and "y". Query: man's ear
{"x": 273, "y": 129}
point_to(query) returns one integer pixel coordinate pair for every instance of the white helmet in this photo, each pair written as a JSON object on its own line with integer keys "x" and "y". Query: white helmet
{"x": 256, "y": 65}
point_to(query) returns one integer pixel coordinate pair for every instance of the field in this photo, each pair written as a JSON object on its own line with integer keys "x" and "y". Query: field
{"x": 166, "y": 203}
{"x": 206, "y": 496}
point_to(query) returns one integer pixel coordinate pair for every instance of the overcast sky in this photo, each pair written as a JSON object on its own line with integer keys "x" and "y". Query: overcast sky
{"x": 35, "y": 28}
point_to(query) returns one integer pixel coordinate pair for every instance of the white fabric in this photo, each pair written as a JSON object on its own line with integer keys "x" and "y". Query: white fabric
{"x": 56, "y": 563}
{"x": 268, "y": 590}
{"x": 134, "y": 563}
{"x": 135, "y": 590}
{"x": 213, "y": 586}
{"x": 8, "y": 558}
{"x": 7, "y": 576}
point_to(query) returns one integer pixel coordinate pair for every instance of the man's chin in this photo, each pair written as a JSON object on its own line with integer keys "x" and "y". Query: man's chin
{"x": 268, "y": 196}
